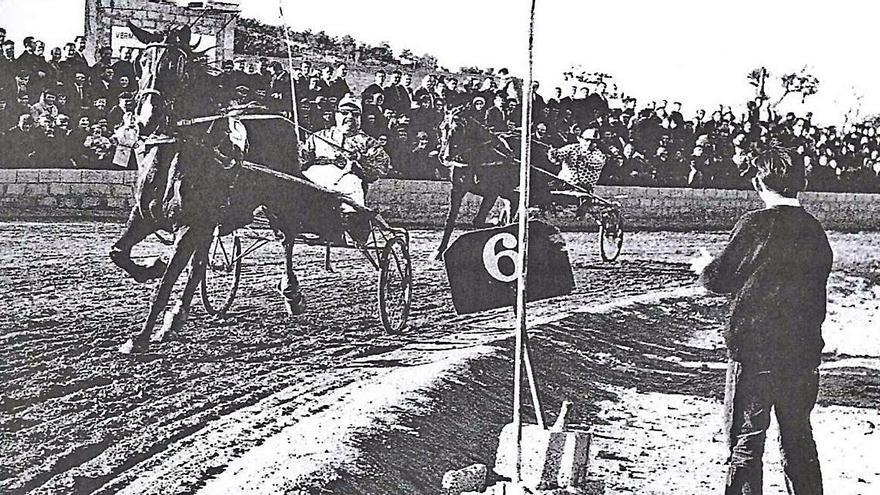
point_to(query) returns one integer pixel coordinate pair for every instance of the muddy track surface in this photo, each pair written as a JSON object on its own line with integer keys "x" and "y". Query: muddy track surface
{"x": 77, "y": 417}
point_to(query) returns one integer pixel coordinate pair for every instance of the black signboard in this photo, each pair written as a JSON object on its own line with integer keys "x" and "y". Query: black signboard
{"x": 482, "y": 272}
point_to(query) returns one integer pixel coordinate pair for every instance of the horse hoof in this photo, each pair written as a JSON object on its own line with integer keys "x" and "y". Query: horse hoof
{"x": 295, "y": 306}
{"x": 156, "y": 269}
{"x": 132, "y": 346}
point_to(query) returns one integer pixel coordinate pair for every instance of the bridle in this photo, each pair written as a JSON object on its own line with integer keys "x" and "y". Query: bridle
{"x": 180, "y": 67}
{"x": 459, "y": 156}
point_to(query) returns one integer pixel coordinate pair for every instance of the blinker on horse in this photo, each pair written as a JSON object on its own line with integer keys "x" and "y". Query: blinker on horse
{"x": 189, "y": 178}
{"x": 180, "y": 187}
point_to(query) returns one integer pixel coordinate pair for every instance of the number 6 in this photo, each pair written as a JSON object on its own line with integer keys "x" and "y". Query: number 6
{"x": 491, "y": 259}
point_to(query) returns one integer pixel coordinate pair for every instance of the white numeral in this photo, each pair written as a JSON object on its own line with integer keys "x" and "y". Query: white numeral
{"x": 491, "y": 259}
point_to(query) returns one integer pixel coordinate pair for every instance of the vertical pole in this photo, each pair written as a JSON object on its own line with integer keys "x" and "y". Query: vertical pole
{"x": 294, "y": 103}
{"x": 523, "y": 238}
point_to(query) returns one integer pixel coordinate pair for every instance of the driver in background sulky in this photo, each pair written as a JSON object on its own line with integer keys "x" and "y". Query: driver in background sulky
{"x": 344, "y": 159}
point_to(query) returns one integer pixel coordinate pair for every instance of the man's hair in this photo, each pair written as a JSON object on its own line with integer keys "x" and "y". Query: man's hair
{"x": 778, "y": 171}
{"x": 2, "y": 30}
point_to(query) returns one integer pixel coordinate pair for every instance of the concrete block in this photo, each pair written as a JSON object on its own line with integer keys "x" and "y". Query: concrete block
{"x": 48, "y": 202}
{"x": 95, "y": 176}
{"x": 129, "y": 177}
{"x": 15, "y": 189}
{"x": 121, "y": 191}
{"x": 550, "y": 459}
{"x": 469, "y": 479}
{"x": 27, "y": 176}
{"x": 7, "y": 176}
{"x": 70, "y": 176}
{"x": 50, "y": 175}
{"x": 91, "y": 189}
{"x": 69, "y": 202}
{"x": 36, "y": 190}
{"x": 119, "y": 203}
{"x": 59, "y": 189}
{"x": 91, "y": 202}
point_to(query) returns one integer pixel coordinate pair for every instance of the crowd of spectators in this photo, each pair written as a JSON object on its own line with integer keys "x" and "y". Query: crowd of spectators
{"x": 59, "y": 110}
{"x": 62, "y": 111}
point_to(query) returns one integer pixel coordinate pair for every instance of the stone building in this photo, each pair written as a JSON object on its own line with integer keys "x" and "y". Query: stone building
{"x": 213, "y": 23}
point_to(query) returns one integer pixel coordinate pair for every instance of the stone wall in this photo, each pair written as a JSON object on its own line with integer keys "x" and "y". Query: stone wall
{"x": 65, "y": 194}
{"x": 61, "y": 194}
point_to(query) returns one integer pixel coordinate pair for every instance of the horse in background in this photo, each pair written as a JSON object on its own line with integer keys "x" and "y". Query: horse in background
{"x": 486, "y": 165}
{"x": 187, "y": 174}
{"x": 479, "y": 163}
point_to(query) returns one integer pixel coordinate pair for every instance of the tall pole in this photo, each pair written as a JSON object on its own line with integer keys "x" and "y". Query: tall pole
{"x": 523, "y": 238}
{"x": 294, "y": 104}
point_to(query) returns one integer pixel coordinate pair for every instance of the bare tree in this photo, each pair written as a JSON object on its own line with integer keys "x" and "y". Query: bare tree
{"x": 800, "y": 82}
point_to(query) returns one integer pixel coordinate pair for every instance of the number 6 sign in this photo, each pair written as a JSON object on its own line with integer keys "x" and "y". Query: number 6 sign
{"x": 482, "y": 267}
{"x": 492, "y": 259}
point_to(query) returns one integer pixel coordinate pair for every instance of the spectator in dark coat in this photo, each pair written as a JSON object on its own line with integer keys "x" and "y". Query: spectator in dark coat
{"x": 377, "y": 87}
{"x": 496, "y": 115}
{"x": 20, "y": 144}
{"x": 776, "y": 267}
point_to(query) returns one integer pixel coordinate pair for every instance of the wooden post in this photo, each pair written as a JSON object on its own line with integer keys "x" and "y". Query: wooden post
{"x": 295, "y": 104}
{"x": 522, "y": 254}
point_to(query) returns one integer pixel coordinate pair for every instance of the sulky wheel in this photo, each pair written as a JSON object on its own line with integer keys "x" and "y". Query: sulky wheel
{"x": 610, "y": 234}
{"x": 395, "y": 284}
{"x": 222, "y": 274}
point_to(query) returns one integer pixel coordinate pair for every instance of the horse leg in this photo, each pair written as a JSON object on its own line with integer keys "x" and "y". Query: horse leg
{"x": 486, "y": 205}
{"x": 294, "y": 301}
{"x": 183, "y": 250}
{"x": 513, "y": 199}
{"x": 136, "y": 230}
{"x": 455, "y": 199}
{"x": 176, "y": 318}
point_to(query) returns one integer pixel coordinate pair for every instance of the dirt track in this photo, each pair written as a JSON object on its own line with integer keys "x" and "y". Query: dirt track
{"x": 234, "y": 398}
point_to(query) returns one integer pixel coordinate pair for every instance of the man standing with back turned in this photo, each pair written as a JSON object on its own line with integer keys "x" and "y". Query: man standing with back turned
{"x": 776, "y": 268}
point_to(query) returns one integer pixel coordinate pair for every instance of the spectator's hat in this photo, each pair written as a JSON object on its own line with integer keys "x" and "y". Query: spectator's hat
{"x": 349, "y": 103}
{"x": 243, "y": 88}
{"x": 590, "y": 134}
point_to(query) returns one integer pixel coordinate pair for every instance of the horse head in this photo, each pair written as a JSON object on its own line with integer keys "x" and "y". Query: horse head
{"x": 163, "y": 69}
{"x": 453, "y": 133}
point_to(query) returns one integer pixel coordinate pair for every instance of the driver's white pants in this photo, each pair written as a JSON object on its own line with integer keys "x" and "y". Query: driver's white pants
{"x": 333, "y": 178}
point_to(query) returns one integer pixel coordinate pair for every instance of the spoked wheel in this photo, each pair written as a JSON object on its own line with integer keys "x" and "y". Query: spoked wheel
{"x": 610, "y": 234}
{"x": 222, "y": 274}
{"x": 395, "y": 284}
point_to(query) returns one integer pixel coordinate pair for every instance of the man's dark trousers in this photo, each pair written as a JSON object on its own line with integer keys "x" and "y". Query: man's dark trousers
{"x": 749, "y": 397}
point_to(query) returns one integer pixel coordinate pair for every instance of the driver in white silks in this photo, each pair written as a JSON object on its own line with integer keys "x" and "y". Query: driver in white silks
{"x": 344, "y": 159}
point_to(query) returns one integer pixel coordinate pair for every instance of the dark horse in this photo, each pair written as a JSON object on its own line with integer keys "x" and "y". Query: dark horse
{"x": 190, "y": 179}
{"x": 483, "y": 164}
{"x": 480, "y": 163}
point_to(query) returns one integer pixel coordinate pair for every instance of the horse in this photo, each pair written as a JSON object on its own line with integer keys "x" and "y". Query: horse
{"x": 485, "y": 164}
{"x": 479, "y": 163}
{"x": 190, "y": 179}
